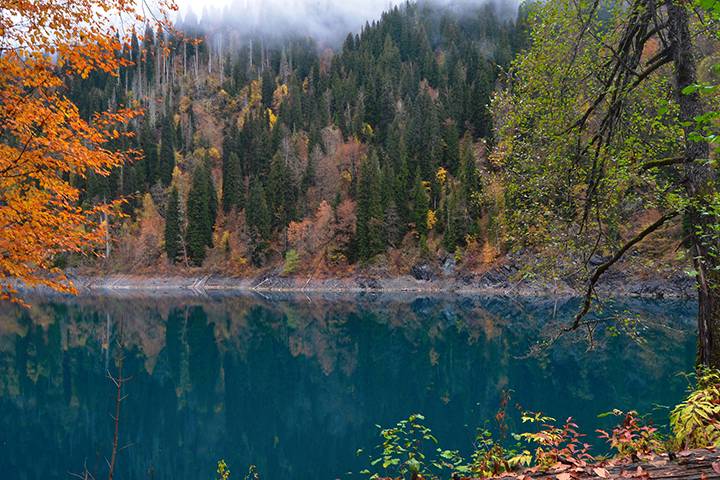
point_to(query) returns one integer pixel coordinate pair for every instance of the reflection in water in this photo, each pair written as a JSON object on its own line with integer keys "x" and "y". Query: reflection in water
{"x": 296, "y": 385}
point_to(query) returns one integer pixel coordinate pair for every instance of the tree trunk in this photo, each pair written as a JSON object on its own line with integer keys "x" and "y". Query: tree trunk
{"x": 699, "y": 184}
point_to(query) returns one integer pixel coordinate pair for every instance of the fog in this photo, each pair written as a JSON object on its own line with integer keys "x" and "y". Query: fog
{"x": 325, "y": 20}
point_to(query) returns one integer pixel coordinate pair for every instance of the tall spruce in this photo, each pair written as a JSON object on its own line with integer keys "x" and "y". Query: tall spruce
{"x": 420, "y": 204}
{"x": 173, "y": 230}
{"x": 201, "y": 213}
{"x": 232, "y": 188}
{"x": 370, "y": 219}
{"x": 148, "y": 144}
{"x": 281, "y": 193}
{"x": 258, "y": 220}
{"x": 166, "y": 163}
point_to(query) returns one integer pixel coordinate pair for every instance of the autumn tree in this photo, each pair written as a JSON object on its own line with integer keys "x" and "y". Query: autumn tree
{"x": 601, "y": 115}
{"x": 44, "y": 141}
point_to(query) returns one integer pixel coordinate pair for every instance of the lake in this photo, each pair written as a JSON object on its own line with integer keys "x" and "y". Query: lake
{"x": 296, "y": 384}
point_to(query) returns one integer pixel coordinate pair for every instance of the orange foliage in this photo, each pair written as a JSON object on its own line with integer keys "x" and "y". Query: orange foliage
{"x": 44, "y": 141}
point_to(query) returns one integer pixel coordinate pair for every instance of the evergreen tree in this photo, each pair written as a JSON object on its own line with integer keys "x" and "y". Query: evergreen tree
{"x": 370, "y": 210}
{"x": 258, "y": 221}
{"x": 201, "y": 212}
{"x": 232, "y": 188}
{"x": 454, "y": 224}
{"x": 173, "y": 226}
{"x": 420, "y": 204}
{"x": 166, "y": 163}
{"x": 450, "y": 147}
{"x": 148, "y": 144}
{"x": 268, "y": 87}
{"x": 281, "y": 194}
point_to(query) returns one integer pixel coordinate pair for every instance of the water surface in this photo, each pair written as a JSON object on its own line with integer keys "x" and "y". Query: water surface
{"x": 296, "y": 384}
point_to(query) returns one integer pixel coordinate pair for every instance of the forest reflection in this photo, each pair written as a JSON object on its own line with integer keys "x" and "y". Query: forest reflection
{"x": 296, "y": 384}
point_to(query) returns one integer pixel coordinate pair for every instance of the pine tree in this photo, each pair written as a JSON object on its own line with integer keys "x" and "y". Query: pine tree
{"x": 454, "y": 225}
{"x": 370, "y": 211}
{"x": 281, "y": 194}
{"x": 258, "y": 220}
{"x": 450, "y": 147}
{"x": 421, "y": 204}
{"x": 470, "y": 185}
{"x": 166, "y": 163}
{"x": 172, "y": 226}
{"x": 232, "y": 188}
{"x": 148, "y": 144}
{"x": 268, "y": 88}
{"x": 201, "y": 212}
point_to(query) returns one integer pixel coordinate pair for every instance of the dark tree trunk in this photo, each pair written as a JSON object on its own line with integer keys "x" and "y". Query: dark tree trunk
{"x": 700, "y": 184}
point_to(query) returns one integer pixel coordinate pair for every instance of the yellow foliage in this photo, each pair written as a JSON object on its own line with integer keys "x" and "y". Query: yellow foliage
{"x": 367, "y": 131}
{"x": 431, "y": 219}
{"x": 279, "y": 95}
{"x": 272, "y": 118}
{"x": 441, "y": 175}
{"x": 346, "y": 176}
{"x": 176, "y": 174}
{"x": 222, "y": 470}
{"x": 185, "y": 104}
{"x": 214, "y": 153}
{"x": 253, "y": 99}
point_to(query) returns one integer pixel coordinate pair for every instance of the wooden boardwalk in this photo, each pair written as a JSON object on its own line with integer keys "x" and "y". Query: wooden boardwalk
{"x": 686, "y": 465}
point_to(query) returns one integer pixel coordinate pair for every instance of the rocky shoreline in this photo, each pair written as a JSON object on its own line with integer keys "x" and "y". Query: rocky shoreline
{"x": 501, "y": 280}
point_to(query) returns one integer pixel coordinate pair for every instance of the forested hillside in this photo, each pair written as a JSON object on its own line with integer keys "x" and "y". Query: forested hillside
{"x": 259, "y": 150}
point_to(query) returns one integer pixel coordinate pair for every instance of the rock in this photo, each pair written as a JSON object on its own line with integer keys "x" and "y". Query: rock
{"x": 369, "y": 283}
{"x": 448, "y": 266}
{"x": 495, "y": 278}
{"x": 422, "y": 271}
{"x": 596, "y": 260}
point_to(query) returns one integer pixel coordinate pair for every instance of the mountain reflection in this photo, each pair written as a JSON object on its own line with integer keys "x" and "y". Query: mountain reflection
{"x": 295, "y": 384}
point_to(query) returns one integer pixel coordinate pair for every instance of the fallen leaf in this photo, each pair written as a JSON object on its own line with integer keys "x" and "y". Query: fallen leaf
{"x": 641, "y": 473}
{"x": 601, "y": 472}
{"x": 716, "y": 467}
{"x": 563, "y": 476}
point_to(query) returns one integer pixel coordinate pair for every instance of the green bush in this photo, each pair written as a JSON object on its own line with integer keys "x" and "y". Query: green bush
{"x": 292, "y": 261}
{"x": 696, "y": 421}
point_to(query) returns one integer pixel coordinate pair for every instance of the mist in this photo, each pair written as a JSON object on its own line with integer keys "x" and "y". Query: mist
{"x": 327, "y": 21}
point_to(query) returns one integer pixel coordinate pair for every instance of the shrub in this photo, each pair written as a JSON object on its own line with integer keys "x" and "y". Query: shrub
{"x": 292, "y": 261}
{"x": 696, "y": 421}
{"x": 633, "y": 436}
{"x": 404, "y": 448}
{"x": 556, "y": 444}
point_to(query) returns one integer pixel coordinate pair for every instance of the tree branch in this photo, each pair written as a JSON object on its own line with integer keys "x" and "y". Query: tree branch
{"x": 662, "y": 162}
{"x": 599, "y": 271}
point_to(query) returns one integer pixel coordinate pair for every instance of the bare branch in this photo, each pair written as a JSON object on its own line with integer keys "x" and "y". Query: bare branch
{"x": 600, "y": 270}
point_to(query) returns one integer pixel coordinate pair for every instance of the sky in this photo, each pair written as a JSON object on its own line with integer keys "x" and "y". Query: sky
{"x": 323, "y": 19}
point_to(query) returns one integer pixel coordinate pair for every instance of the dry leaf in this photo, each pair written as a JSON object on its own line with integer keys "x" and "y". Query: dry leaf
{"x": 601, "y": 472}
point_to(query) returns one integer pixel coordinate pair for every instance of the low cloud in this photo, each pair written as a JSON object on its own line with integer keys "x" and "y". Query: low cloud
{"x": 325, "y": 20}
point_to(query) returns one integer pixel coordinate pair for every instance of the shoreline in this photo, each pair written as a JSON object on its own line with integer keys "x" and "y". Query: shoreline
{"x": 484, "y": 285}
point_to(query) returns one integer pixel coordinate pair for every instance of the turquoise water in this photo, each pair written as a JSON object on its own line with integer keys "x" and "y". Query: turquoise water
{"x": 296, "y": 385}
